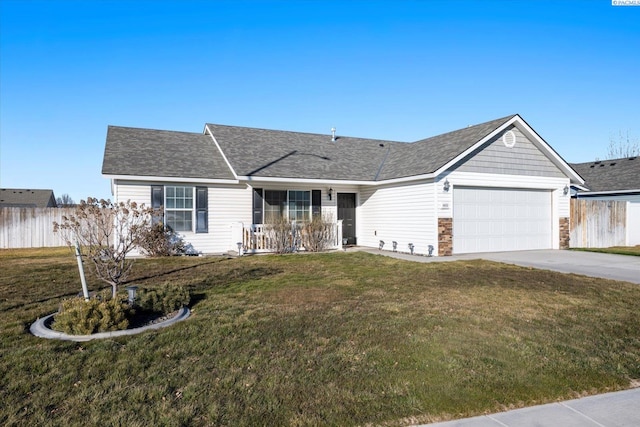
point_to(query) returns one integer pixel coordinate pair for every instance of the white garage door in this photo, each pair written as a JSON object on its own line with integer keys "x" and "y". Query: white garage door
{"x": 494, "y": 220}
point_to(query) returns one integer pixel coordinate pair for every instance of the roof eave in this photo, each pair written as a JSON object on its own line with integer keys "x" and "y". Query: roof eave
{"x": 608, "y": 193}
{"x": 271, "y": 179}
{"x": 170, "y": 179}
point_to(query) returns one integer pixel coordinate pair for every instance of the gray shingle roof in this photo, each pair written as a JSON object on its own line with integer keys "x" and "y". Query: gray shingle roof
{"x": 159, "y": 153}
{"x": 25, "y": 198}
{"x": 610, "y": 175}
{"x": 281, "y": 154}
{"x": 271, "y": 153}
{"x": 428, "y": 155}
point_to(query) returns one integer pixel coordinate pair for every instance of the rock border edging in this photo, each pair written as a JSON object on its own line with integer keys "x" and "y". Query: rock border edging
{"x": 39, "y": 329}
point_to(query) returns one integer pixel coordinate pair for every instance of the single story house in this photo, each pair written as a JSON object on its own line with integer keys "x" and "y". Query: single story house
{"x": 495, "y": 186}
{"x": 615, "y": 180}
{"x": 26, "y": 198}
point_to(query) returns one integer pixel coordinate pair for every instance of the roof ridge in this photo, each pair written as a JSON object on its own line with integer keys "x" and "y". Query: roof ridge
{"x": 154, "y": 130}
{"x": 595, "y": 162}
{"x": 501, "y": 120}
{"x": 338, "y": 137}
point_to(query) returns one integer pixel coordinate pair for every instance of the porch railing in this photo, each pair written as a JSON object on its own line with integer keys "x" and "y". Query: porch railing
{"x": 260, "y": 238}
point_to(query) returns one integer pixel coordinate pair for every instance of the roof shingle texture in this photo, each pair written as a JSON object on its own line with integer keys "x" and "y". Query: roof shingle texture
{"x": 160, "y": 153}
{"x": 24, "y": 198}
{"x": 269, "y": 153}
{"x": 610, "y": 175}
{"x": 281, "y": 154}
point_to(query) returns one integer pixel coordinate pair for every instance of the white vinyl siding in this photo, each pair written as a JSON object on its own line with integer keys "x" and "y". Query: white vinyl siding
{"x": 501, "y": 219}
{"x": 402, "y": 213}
{"x": 228, "y": 204}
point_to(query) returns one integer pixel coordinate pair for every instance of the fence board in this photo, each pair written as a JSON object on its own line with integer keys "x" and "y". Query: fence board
{"x": 30, "y": 227}
{"x": 598, "y": 223}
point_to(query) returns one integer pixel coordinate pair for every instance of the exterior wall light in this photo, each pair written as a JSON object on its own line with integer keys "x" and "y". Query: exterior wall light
{"x": 446, "y": 185}
{"x": 330, "y": 193}
{"x": 565, "y": 190}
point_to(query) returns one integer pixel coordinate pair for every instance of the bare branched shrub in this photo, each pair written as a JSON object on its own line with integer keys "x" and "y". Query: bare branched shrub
{"x": 288, "y": 236}
{"x": 318, "y": 235}
{"x": 280, "y": 234}
{"x": 107, "y": 232}
{"x": 160, "y": 240}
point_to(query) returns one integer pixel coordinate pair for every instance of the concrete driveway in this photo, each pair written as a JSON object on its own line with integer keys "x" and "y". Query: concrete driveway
{"x": 607, "y": 266}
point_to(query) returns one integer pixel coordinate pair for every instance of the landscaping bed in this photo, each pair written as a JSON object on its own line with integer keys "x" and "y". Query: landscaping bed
{"x": 329, "y": 339}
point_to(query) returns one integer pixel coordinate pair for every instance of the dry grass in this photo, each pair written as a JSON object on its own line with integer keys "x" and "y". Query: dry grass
{"x": 618, "y": 250}
{"x": 330, "y": 339}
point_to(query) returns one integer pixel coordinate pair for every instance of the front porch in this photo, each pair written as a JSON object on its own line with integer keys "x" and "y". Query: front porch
{"x": 293, "y": 236}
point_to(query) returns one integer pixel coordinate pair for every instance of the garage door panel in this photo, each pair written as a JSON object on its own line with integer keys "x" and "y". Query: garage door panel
{"x": 492, "y": 219}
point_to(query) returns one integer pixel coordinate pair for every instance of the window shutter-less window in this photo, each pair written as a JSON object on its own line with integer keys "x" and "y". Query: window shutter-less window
{"x": 316, "y": 203}
{"x": 202, "y": 204}
{"x": 157, "y": 201}
{"x": 257, "y": 205}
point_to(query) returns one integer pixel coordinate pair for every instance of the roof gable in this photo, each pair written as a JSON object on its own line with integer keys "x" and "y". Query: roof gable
{"x": 611, "y": 175}
{"x": 429, "y": 155}
{"x": 524, "y": 157}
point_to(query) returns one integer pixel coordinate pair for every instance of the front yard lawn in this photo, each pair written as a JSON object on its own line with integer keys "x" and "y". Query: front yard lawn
{"x": 329, "y": 339}
{"x": 618, "y": 250}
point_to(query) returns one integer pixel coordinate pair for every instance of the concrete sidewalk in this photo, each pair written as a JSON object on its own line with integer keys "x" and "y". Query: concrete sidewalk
{"x": 617, "y": 409}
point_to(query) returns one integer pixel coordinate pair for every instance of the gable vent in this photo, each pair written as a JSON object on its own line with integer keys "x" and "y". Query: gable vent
{"x": 509, "y": 139}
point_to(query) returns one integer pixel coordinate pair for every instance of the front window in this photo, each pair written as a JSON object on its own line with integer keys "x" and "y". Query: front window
{"x": 274, "y": 205}
{"x": 291, "y": 205}
{"x": 299, "y": 205}
{"x": 179, "y": 208}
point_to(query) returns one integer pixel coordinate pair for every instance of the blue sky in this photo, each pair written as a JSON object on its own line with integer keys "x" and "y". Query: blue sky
{"x": 398, "y": 70}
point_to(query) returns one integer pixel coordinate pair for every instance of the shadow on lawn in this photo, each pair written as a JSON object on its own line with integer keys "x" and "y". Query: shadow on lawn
{"x": 168, "y": 272}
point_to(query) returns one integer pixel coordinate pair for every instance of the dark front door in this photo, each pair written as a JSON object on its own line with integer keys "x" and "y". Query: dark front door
{"x": 347, "y": 213}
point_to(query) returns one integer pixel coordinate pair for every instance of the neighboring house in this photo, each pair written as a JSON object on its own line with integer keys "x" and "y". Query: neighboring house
{"x": 616, "y": 180}
{"x": 23, "y": 198}
{"x": 496, "y": 186}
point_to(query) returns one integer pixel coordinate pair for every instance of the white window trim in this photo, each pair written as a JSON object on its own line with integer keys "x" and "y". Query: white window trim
{"x": 192, "y": 209}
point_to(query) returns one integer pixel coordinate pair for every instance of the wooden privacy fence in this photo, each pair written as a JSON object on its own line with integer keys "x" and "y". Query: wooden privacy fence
{"x": 598, "y": 223}
{"x": 30, "y": 227}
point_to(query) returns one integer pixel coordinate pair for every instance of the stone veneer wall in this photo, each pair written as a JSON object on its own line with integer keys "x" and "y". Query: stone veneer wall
{"x": 565, "y": 232}
{"x": 445, "y": 236}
